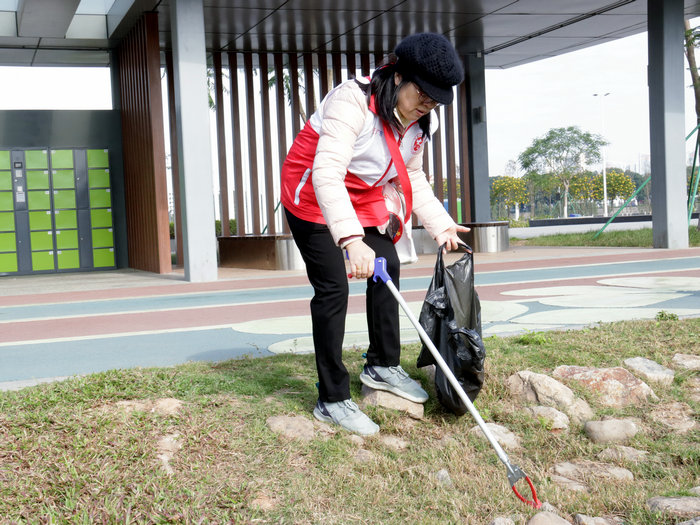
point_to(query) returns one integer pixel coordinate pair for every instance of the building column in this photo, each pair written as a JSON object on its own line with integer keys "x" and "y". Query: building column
{"x": 667, "y": 122}
{"x": 194, "y": 141}
{"x": 477, "y": 159}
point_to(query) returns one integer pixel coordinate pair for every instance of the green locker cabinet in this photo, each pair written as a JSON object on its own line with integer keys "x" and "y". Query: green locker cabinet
{"x": 37, "y": 179}
{"x": 7, "y": 221}
{"x": 39, "y": 200}
{"x": 42, "y": 261}
{"x": 103, "y": 257}
{"x": 36, "y": 159}
{"x": 101, "y": 218}
{"x": 8, "y": 262}
{"x": 40, "y": 220}
{"x": 65, "y": 219}
{"x": 63, "y": 179}
{"x": 5, "y": 160}
{"x": 68, "y": 259}
{"x": 5, "y": 180}
{"x": 8, "y": 242}
{"x": 97, "y": 158}
{"x": 6, "y": 201}
{"x": 62, "y": 159}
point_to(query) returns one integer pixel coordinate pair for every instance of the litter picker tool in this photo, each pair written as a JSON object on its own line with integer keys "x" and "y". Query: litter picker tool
{"x": 514, "y": 472}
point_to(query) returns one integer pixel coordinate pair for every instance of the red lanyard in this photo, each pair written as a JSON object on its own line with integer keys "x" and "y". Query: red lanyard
{"x": 400, "y": 166}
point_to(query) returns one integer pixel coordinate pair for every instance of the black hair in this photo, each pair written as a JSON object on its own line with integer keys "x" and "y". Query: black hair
{"x": 386, "y": 95}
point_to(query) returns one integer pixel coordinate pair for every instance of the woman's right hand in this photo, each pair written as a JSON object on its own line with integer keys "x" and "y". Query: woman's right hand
{"x": 361, "y": 259}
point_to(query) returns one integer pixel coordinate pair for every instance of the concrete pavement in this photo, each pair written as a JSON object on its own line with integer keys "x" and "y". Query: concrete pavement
{"x": 54, "y": 326}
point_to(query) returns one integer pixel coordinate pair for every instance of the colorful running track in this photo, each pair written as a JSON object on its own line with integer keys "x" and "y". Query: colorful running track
{"x": 54, "y": 326}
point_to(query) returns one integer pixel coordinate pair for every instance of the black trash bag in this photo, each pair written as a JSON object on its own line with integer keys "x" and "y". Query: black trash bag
{"x": 451, "y": 316}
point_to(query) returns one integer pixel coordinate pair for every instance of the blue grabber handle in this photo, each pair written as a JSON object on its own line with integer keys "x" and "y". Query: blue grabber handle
{"x": 380, "y": 270}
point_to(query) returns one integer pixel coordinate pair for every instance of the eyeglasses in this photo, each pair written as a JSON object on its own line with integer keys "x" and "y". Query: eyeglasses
{"x": 425, "y": 99}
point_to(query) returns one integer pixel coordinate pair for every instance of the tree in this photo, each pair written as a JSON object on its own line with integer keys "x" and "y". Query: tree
{"x": 510, "y": 191}
{"x": 562, "y": 152}
{"x": 619, "y": 185}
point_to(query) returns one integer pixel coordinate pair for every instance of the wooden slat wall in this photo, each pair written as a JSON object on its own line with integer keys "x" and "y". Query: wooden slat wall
{"x": 256, "y": 187}
{"x": 145, "y": 186}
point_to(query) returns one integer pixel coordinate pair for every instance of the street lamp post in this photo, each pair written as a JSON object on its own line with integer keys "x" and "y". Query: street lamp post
{"x": 605, "y": 183}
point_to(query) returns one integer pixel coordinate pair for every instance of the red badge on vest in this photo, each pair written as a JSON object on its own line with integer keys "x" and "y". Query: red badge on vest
{"x": 418, "y": 143}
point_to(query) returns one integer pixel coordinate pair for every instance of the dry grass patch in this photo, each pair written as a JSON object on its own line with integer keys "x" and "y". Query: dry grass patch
{"x": 87, "y": 450}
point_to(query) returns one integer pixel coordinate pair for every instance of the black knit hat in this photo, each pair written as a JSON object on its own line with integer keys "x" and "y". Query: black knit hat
{"x": 430, "y": 60}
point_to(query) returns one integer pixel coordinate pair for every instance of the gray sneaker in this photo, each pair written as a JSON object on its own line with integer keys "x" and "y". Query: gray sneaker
{"x": 393, "y": 379}
{"x": 346, "y": 414}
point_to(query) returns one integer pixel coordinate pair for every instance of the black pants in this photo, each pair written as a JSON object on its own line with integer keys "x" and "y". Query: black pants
{"x": 325, "y": 267}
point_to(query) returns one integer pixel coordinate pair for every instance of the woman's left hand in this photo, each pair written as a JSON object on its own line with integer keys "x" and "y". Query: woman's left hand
{"x": 450, "y": 237}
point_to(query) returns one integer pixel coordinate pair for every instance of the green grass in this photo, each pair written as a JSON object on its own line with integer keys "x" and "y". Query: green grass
{"x": 622, "y": 238}
{"x": 69, "y": 454}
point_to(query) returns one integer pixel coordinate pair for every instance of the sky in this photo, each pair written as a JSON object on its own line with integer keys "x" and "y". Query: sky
{"x": 523, "y": 102}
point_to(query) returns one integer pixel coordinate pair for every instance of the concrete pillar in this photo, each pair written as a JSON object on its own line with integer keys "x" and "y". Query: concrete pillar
{"x": 667, "y": 123}
{"x": 194, "y": 141}
{"x": 478, "y": 143}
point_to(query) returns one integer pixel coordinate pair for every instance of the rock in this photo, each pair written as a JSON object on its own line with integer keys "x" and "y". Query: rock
{"x": 610, "y": 430}
{"x": 167, "y": 447}
{"x": 622, "y": 453}
{"x": 356, "y": 440}
{"x": 531, "y": 387}
{"x": 165, "y": 406}
{"x": 547, "y": 518}
{"x": 693, "y": 386}
{"x": 582, "y": 519}
{"x": 694, "y": 521}
{"x": 568, "y": 484}
{"x": 373, "y": 397}
{"x": 695, "y": 490}
{"x": 686, "y": 361}
{"x": 583, "y": 471}
{"x": 505, "y": 437}
{"x": 292, "y": 427}
{"x": 443, "y": 478}
{"x": 393, "y": 442}
{"x": 430, "y": 372}
{"x": 650, "y": 370}
{"x": 679, "y": 417}
{"x": 616, "y": 387}
{"x": 683, "y": 507}
{"x": 363, "y": 455}
{"x": 502, "y": 521}
{"x": 557, "y": 420}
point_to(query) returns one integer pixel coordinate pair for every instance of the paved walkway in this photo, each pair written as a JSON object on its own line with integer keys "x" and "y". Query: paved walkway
{"x": 62, "y": 325}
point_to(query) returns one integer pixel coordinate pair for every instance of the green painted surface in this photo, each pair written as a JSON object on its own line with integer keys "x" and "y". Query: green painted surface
{"x": 6, "y": 201}
{"x": 8, "y": 242}
{"x": 101, "y": 218}
{"x": 103, "y": 257}
{"x": 66, "y": 219}
{"x": 5, "y": 160}
{"x": 98, "y": 178}
{"x": 100, "y": 199}
{"x": 5, "y": 180}
{"x": 68, "y": 259}
{"x": 42, "y": 261}
{"x": 41, "y": 240}
{"x": 66, "y": 239}
{"x": 37, "y": 179}
{"x": 40, "y": 220}
{"x": 63, "y": 179}
{"x": 36, "y": 159}
{"x": 97, "y": 158}
{"x": 62, "y": 159}
{"x": 102, "y": 238}
{"x": 7, "y": 221}
{"x": 8, "y": 262}
{"x": 39, "y": 200}
{"x": 64, "y": 199}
